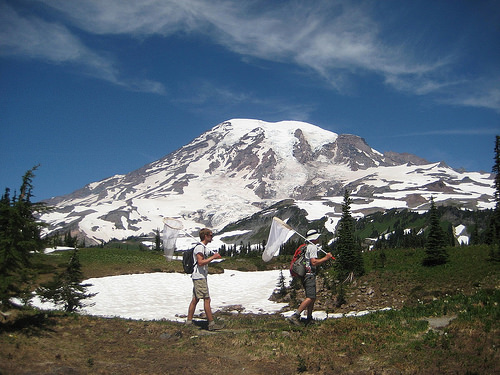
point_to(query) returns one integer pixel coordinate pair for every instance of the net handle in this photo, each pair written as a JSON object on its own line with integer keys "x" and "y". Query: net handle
{"x": 281, "y": 222}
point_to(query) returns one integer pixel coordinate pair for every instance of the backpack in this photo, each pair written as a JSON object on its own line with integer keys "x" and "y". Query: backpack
{"x": 188, "y": 261}
{"x": 298, "y": 264}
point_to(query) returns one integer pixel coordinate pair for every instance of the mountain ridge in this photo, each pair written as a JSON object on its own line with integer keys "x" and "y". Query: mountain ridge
{"x": 241, "y": 166}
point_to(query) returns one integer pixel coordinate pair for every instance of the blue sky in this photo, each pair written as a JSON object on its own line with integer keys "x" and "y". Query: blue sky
{"x": 89, "y": 89}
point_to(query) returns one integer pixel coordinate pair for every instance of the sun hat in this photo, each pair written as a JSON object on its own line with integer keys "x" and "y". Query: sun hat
{"x": 312, "y": 234}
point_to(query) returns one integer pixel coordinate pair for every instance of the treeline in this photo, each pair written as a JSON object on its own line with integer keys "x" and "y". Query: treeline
{"x": 245, "y": 250}
{"x": 396, "y": 228}
{"x": 66, "y": 239}
{"x": 249, "y": 250}
{"x": 402, "y": 228}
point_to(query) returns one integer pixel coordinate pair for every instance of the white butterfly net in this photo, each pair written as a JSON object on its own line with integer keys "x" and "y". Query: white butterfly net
{"x": 171, "y": 230}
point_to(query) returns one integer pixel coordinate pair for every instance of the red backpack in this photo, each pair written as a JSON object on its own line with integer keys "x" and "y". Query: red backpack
{"x": 298, "y": 264}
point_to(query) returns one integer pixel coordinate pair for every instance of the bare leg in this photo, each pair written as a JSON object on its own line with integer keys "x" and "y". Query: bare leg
{"x": 310, "y": 308}
{"x": 192, "y": 307}
{"x": 208, "y": 309}
{"x": 305, "y": 305}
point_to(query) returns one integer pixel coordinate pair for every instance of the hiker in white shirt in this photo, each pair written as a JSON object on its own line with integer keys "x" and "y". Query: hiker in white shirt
{"x": 199, "y": 276}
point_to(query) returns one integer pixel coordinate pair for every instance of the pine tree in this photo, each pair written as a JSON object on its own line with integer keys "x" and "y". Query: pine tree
{"x": 494, "y": 226}
{"x": 348, "y": 251}
{"x": 435, "y": 250}
{"x": 158, "y": 245}
{"x": 496, "y": 170}
{"x": 281, "y": 284}
{"x": 69, "y": 240}
{"x": 19, "y": 240}
{"x": 474, "y": 236}
{"x": 66, "y": 288}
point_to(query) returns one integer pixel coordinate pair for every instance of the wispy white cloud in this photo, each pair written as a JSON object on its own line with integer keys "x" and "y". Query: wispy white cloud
{"x": 139, "y": 18}
{"x": 206, "y": 95}
{"x": 478, "y": 93}
{"x": 34, "y": 38}
{"x": 335, "y": 39}
{"x": 471, "y": 131}
{"x": 321, "y": 35}
{"x": 204, "y": 91}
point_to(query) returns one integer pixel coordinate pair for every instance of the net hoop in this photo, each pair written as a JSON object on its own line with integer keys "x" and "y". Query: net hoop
{"x": 173, "y": 223}
{"x": 283, "y": 224}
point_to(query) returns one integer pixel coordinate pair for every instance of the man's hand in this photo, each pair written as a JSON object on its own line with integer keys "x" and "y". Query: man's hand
{"x": 316, "y": 262}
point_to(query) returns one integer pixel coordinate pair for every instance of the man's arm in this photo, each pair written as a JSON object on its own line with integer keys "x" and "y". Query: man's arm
{"x": 203, "y": 261}
{"x": 316, "y": 262}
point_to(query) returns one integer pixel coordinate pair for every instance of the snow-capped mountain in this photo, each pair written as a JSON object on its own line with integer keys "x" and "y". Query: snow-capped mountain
{"x": 242, "y": 166}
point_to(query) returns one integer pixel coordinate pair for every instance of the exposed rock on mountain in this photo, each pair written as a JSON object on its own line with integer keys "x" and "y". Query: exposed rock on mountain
{"x": 242, "y": 166}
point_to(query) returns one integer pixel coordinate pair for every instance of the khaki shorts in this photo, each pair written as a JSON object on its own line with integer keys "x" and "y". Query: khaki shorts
{"x": 200, "y": 289}
{"x": 309, "y": 283}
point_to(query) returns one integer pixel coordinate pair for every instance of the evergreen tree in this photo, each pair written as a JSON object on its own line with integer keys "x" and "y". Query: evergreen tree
{"x": 158, "y": 246}
{"x": 474, "y": 235}
{"x": 435, "y": 251}
{"x": 348, "y": 251}
{"x": 19, "y": 240}
{"x": 450, "y": 235}
{"x": 222, "y": 250}
{"x": 495, "y": 220}
{"x": 66, "y": 288}
{"x": 496, "y": 170}
{"x": 341, "y": 300}
{"x": 69, "y": 240}
{"x": 281, "y": 284}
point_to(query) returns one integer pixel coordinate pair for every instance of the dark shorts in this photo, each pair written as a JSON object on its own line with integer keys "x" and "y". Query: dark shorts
{"x": 200, "y": 289}
{"x": 309, "y": 283}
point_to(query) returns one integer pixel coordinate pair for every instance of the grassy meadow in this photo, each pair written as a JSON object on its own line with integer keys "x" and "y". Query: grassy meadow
{"x": 445, "y": 320}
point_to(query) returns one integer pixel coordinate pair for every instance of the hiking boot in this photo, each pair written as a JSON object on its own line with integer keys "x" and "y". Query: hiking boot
{"x": 294, "y": 319}
{"x": 310, "y": 322}
{"x": 212, "y": 326}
